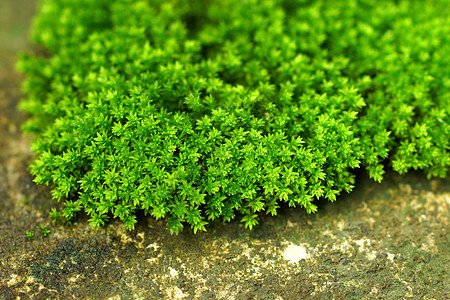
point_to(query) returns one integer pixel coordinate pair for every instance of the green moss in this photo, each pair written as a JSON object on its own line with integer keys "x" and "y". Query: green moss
{"x": 198, "y": 110}
{"x": 43, "y": 230}
{"x": 29, "y": 234}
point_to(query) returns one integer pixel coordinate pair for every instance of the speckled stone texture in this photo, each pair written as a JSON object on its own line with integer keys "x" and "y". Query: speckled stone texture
{"x": 384, "y": 241}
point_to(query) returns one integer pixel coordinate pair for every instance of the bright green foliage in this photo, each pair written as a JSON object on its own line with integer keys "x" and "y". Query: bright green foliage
{"x": 43, "y": 230}
{"x": 197, "y": 110}
{"x": 29, "y": 234}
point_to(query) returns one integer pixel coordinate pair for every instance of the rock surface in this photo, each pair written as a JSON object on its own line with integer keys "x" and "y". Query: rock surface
{"x": 387, "y": 240}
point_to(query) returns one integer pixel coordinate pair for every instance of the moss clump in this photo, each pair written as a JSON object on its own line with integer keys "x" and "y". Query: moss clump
{"x": 198, "y": 110}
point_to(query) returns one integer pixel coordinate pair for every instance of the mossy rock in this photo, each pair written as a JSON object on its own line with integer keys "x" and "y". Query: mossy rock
{"x": 197, "y": 110}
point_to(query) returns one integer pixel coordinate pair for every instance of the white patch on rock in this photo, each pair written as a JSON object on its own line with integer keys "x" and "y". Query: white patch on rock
{"x": 294, "y": 253}
{"x": 173, "y": 272}
{"x": 13, "y": 280}
{"x": 175, "y": 293}
{"x": 362, "y": 244}
{"x": 154, "y": 246}
{"x": 390, "y": 257}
